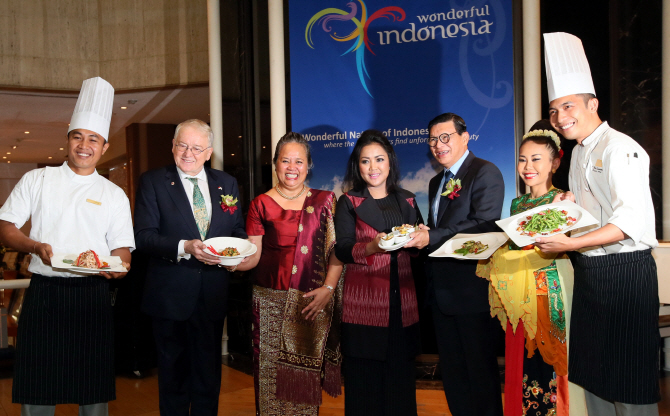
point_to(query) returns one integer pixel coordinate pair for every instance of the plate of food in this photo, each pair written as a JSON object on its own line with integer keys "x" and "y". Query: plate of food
{"x": 397, "y": 238}
{"x": 230, "y": 250}
{"x": 471, "y": 246}
{"x": 88, "y": 262}
{"x": 545, "y": 221}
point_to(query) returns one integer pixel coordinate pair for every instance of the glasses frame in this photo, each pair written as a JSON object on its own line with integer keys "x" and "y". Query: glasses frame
{"x": 195, "y": 151}
{"x": 432, "y": 141}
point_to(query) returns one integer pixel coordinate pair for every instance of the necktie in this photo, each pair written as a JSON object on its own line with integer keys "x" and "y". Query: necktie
{"x": 199, "y": 209}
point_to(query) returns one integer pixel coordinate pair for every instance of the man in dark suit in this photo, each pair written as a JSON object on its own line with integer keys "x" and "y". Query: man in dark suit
{"x": 466, "y": 334}
{"x": 177, "y": 207}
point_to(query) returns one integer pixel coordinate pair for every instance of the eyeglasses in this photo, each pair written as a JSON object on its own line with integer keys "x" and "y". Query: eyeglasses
{"x": 183, "y": 147}
{"x": 444, "y": 138}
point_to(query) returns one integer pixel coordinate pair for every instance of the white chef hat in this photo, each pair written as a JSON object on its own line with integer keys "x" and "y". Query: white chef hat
{"x": 568, "y": 71}
{"x": 94, "y": 107}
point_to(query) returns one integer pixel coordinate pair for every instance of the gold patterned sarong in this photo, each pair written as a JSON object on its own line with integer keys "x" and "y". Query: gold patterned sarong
{"x": 268, "y": 309}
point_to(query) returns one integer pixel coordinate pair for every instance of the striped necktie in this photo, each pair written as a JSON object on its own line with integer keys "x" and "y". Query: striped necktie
{"x": 199, "y": 209}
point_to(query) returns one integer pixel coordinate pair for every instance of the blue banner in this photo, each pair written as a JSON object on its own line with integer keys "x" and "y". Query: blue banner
{"x": 393, "y": 65}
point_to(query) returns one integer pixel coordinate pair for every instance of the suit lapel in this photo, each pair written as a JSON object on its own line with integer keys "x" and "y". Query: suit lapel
{"x": 215, "y": 193}
{"x": 177, "y": 192}
{"x": 462, "y": 172}
{"x": 432, "y": 192}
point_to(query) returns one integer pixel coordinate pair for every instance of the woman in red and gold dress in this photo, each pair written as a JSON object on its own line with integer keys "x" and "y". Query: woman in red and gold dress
{"x": 296, "y": 309}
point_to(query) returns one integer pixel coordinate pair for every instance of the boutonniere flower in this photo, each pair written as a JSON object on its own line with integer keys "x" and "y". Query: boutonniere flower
{"x": 453, "y": 187}
{"x": 228, "y": 204}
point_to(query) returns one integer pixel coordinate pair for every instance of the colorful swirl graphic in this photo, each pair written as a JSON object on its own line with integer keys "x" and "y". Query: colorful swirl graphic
{"x": 359, "y": 34}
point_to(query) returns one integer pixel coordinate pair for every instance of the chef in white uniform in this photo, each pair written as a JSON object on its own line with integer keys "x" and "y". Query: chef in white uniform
{"x": 65, "y": 343}
{"x": 614, "y": 327}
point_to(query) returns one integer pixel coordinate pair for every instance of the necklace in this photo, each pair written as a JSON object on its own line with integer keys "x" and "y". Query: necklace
{"x": 304, "y": 188}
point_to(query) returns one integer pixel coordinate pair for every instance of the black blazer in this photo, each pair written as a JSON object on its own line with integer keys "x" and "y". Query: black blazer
{"x": 452, "y": 283}
{"x": 163, "y": 217}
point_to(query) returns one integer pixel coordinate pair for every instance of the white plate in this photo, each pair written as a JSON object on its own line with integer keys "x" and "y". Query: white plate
{"x": 395, "y": 246}
{"x": 115, "y": 264}
{"x": 494, "y": 240}
{"x": 509, "y": 225}
{"x": 243, "y": 246}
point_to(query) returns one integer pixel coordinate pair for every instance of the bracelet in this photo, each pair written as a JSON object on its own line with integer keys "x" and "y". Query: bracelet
{"x": 34, "y": 245}
{"x": 329, "y": 287}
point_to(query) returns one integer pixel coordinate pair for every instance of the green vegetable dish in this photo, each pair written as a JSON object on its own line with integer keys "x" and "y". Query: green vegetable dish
{"x": 471, "y": 247}
{"x": 545, "y": 222}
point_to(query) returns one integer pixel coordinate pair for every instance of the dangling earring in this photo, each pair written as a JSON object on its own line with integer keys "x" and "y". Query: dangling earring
{"x": 553, "y": 171}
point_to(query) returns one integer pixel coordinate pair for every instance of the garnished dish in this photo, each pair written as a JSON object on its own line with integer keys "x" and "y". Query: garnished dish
{"x": 406, "y": 228}
{"x": 89, "y": 260}
{"x": 471, "y": 247}
{"x": 226, "y": 252}
{"x": 545, "y": 222}
{"x": 387, "y": 240}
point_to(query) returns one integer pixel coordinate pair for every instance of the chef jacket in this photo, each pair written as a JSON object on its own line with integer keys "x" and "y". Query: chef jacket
{"x": 72, "y": 213}
{"x": 609, "y": 175}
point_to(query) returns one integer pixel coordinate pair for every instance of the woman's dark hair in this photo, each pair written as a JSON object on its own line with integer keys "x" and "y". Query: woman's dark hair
{"x": 354, "y": 180}
{"x": 548, "y": 141}
{"x": 293, "y": 137}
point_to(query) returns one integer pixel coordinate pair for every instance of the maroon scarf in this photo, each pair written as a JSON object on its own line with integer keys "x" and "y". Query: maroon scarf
{"x": 310, "y": 350}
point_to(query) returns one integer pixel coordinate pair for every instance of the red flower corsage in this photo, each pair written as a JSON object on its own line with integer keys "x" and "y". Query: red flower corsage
{"x": 228, "y": 204}
{"x": 453, "y": 186}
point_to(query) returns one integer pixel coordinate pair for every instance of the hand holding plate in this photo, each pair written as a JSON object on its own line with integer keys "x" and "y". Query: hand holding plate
{"x": 199, "y": 250}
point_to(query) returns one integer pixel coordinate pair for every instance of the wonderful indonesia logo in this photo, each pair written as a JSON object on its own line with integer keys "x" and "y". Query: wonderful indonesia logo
{"x": 453, "y": 23}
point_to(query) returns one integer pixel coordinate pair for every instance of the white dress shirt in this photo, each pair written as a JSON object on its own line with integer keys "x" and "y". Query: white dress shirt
{"x": 188, "y": 187}
{"x": 609, "y": 175}
{"x": 72, "y": 213}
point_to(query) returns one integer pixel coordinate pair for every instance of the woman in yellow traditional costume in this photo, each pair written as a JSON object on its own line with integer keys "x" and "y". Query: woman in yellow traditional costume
{"x": 530, "y": 292}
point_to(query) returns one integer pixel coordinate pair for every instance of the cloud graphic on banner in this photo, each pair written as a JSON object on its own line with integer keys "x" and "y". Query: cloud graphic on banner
{"x": 359, "y": 34}
{"x": 334, "y": 185}
{"x": 417, "y": 183}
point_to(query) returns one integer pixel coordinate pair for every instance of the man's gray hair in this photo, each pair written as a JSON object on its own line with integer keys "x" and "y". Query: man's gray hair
{"x": 198, "y": 124}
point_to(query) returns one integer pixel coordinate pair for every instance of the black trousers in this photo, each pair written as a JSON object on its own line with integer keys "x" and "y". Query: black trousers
{"x": 189, "y": 363}
{"x": 467, "y": 345}
{"x": 382, "y": 387}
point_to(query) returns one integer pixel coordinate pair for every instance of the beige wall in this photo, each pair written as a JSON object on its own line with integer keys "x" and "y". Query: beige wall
{"x": 55, "y": 44}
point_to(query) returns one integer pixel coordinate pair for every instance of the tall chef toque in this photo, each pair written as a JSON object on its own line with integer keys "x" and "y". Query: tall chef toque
{"x": 94, "y": 107}
{"x": 568, "y": 71}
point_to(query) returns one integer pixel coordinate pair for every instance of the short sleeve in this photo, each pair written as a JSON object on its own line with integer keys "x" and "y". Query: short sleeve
{"x": 18, "y": 207}
{"x": 120, "y": 233}
{"x": 627, "y": 195}
{"x": 254, "y": 218}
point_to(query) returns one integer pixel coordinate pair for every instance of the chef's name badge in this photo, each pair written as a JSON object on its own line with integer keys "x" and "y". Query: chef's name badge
{"x": 598, "y": 166}
{"x": 90, "y": 201}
